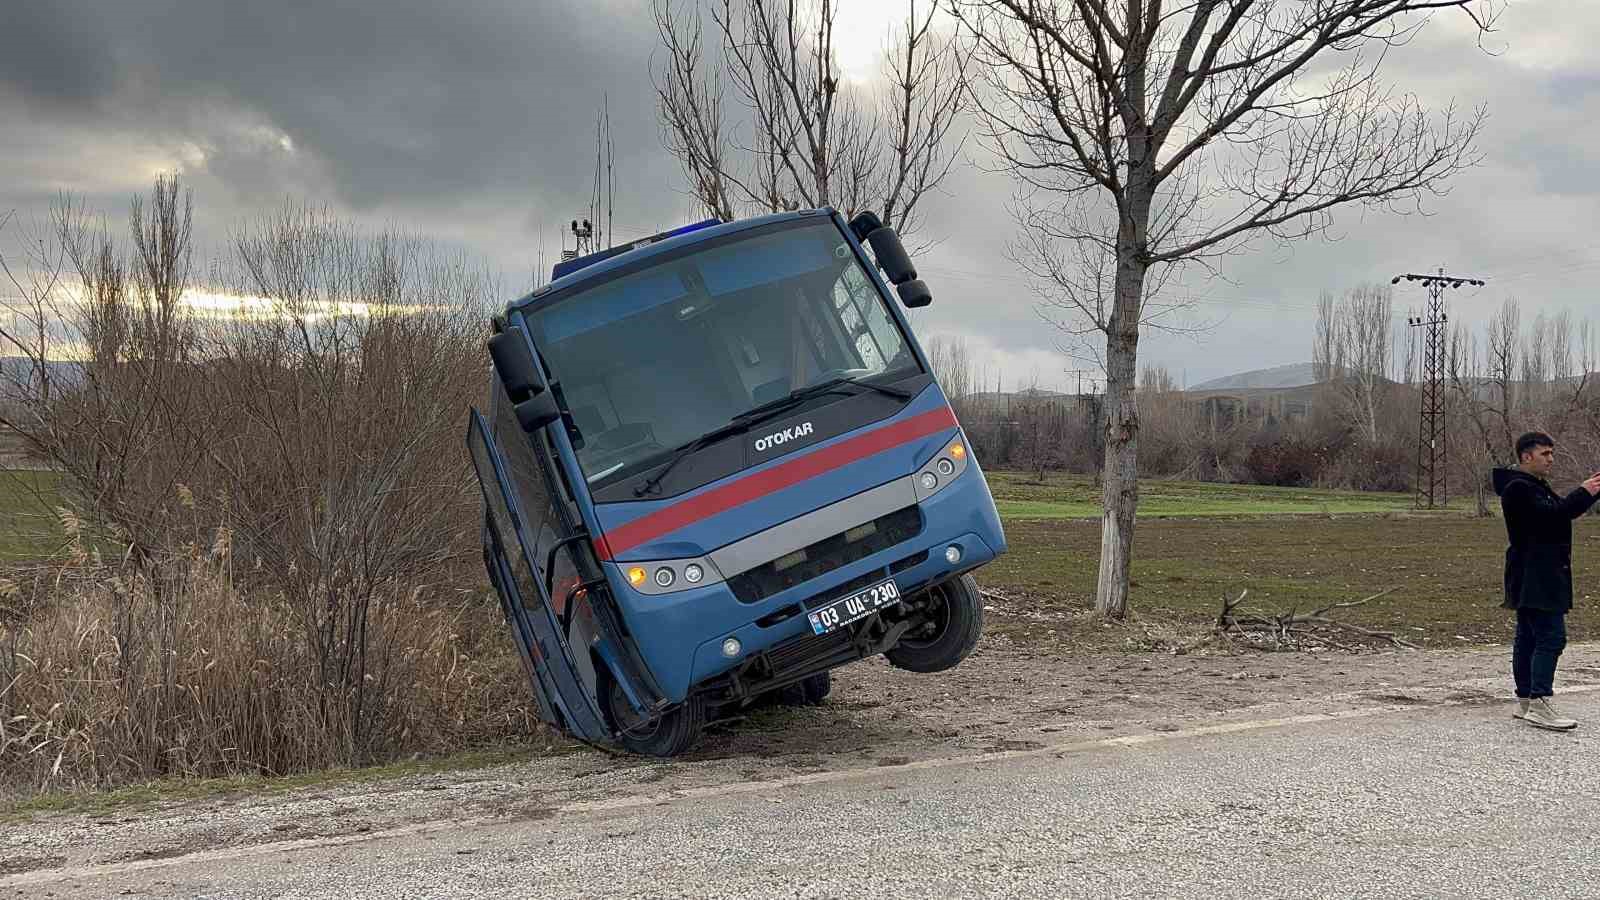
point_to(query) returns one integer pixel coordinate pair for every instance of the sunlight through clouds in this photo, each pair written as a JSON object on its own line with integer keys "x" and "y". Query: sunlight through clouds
{"x": 865, "y": 29}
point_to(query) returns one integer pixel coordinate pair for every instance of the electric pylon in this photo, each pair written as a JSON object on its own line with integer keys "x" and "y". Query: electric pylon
{"x": 1433, "y": 441}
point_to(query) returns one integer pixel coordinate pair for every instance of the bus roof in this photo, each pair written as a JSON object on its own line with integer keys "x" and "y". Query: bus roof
{"x": 577, "y": 271}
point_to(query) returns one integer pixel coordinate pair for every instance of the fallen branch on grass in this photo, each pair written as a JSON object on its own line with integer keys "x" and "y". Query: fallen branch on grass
{"x": 1290, "y": 629}
{"x": 990, "y": 594}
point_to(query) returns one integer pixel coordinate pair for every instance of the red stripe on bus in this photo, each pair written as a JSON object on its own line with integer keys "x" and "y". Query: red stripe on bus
{"x": 703, "y": 506}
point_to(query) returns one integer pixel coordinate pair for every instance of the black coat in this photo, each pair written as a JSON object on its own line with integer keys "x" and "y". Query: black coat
{"x": 1539, "y": 527}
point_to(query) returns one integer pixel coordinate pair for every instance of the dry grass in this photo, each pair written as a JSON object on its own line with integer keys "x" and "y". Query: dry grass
{"x": 109, "y": 679}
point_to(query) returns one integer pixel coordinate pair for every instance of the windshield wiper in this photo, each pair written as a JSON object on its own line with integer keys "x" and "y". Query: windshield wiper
{"x": 679, "y": 453}
{"x": 769, "y": 410}
{"x": 830, "y": 386}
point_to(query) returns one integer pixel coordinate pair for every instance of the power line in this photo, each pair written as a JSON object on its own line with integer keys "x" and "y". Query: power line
{"x": 1256, "y": 302}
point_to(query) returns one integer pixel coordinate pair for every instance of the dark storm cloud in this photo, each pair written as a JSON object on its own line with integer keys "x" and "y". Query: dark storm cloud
{"x": 49, "y": 55}
{"x": 402, "y": 104}
{"x": 473, "y": 122}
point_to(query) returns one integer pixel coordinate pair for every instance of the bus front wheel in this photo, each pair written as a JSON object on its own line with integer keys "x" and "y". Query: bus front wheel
{"x": 955, "y": 619}
{"x": 669, "y": 734}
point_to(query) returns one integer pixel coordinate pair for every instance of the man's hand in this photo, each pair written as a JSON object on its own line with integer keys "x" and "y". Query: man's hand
{"x": 1593, "y": 485}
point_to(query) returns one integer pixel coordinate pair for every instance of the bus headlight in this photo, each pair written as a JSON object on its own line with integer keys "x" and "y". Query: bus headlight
{"x": 943, "y": 469}
{"x": 656, "y": 577}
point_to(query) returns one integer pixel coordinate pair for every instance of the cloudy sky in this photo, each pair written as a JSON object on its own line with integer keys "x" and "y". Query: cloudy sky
{"x": 473, "y": 122}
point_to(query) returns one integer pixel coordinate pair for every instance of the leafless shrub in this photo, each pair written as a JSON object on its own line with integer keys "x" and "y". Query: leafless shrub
{"x": 304, "y": 410}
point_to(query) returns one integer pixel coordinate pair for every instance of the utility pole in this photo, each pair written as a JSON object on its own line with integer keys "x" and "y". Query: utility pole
{"x": 1080, "y": 374}
{"x": 1432, "y": 485}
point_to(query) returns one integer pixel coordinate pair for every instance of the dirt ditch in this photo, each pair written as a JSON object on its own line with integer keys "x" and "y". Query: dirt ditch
{"x": 1008, "y": 696}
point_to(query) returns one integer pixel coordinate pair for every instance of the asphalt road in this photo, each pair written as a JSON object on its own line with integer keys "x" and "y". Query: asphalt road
{"x": 1453, "y": 801}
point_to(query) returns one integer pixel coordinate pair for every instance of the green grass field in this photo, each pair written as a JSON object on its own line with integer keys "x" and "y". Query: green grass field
{"x": 1446, "y": 572}
{"x": 1076, "y": 497}
{"x": 1292, "y": 549}
{"x": 28, "y": 526}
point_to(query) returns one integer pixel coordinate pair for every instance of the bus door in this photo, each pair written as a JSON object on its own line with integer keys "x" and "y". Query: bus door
{"x": 563, "y": 674}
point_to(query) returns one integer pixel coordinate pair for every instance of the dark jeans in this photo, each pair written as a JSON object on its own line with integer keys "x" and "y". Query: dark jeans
{"x": 1541, "y": 636}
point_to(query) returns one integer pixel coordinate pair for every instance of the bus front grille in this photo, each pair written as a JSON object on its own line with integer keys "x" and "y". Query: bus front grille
{"x": 822, "y": 557}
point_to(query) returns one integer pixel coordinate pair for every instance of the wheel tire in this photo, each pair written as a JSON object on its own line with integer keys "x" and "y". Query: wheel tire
{"x": 816, "y": 689}
{"x": 809, "y": 691}
{"x": 674, "y": 732}
{"x": 959, "y": 620}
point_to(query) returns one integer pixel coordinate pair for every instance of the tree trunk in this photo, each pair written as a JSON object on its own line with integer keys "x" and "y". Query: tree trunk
{"x": 1120, "y": 475}
{"x": 1120, "y": 484}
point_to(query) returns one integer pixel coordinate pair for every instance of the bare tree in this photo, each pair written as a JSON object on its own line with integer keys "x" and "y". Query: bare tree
{"x": 1353, "y": 352}
{"x": 111, "y": 404}
{"x": 1501, "y": 361}
{"x": 1572, "y": 367}
{"x": 1038, "y": 416}
{"x": 1325, "y": 343}
{"x": 952, "y": 364}
{"x": 1158, "y": 381}
{"x": 1472, "y": 401}
{"x": 1146, "y": 135}
{"x": 1536, "y": 363}
{"x": 813, "y": 139}
{"x": 1412, "y": 360}
{"x": 31, "y": 329}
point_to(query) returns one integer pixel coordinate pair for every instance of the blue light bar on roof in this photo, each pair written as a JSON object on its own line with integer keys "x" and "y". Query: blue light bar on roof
{"x": 568, "y": 266}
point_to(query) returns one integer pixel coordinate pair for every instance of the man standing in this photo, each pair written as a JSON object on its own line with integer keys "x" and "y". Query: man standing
{"x": 1539, "y": 572}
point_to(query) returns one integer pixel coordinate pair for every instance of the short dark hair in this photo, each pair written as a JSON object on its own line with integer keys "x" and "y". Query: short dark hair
{"x": 1532, "y": 439}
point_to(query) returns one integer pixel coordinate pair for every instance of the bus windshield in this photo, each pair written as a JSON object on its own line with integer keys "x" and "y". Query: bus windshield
{"x": 652, "y": 359}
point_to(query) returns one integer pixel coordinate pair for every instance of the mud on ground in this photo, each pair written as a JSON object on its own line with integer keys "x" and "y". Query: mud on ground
{"x": 1010, "y": 695}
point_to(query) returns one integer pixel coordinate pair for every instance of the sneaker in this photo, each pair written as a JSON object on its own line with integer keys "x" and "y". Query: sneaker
{"x": 1521, "y": 712}
{"x": 1542, "y": 715}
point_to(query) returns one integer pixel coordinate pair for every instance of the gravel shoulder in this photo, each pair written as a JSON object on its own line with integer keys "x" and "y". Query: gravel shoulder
{"x": 1008, "y": 696}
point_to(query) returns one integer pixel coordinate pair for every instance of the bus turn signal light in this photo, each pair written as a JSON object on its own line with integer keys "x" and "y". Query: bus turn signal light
{"x": 636, "y": 576}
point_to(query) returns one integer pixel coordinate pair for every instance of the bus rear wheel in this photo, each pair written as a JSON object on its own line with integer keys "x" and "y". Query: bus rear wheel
{"x": 810, "y": 691}
{"x": 955, "y": 619}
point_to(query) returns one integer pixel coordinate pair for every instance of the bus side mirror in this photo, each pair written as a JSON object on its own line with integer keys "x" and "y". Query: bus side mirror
{"x": 530, "y": 396}
{"x": 537, "y": 412}
{"x": 914, "y": 293}
{"x": 886, "y": 248}
{"x": 891, "y": 255}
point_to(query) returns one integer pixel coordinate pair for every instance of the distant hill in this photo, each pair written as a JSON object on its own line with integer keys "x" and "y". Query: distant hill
{"x": 16, "y": 371}
{"x": 1295, "y": 375}
{"x": 1023, "y": 396}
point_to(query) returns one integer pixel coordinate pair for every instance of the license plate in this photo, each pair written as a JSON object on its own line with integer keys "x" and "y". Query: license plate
{"x": 859, "y": 605}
